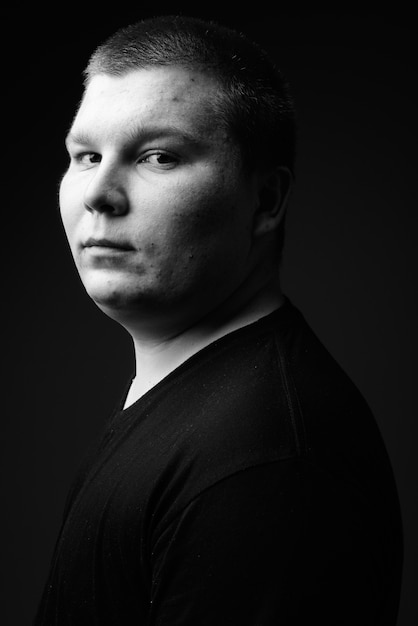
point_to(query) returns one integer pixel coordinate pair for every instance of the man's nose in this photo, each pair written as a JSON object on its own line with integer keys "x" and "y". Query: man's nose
{"x": 106, "y": 193}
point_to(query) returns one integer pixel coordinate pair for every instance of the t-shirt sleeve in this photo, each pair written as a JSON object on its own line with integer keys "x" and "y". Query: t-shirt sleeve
{"x": 282, "y": 543}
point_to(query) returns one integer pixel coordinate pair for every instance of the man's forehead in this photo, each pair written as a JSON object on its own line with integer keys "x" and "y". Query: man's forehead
{"x": 176, "y": 99}
{"x": 167, "y": 82}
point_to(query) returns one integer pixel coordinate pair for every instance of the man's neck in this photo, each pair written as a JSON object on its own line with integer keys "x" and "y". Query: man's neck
{"x": 156, "y": 358}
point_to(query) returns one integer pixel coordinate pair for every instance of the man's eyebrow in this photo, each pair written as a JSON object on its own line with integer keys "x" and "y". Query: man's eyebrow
{"x": 137, "y": 133}
{"x": 79, "y": 137}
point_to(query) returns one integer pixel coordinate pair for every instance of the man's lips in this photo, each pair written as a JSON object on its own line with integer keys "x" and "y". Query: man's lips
{"x": 92, "y": 242}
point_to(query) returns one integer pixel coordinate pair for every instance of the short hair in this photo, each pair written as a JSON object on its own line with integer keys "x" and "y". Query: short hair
{"x": 254, "y": 99}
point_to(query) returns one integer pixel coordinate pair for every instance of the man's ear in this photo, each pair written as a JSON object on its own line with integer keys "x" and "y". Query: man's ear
{"x": 274, "y": 192}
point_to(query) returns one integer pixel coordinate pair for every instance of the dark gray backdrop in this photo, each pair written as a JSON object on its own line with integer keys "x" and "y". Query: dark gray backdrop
{"x": 350, "y": 256}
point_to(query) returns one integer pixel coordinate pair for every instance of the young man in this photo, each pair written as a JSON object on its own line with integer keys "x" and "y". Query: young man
{"x": 243, "y": 479}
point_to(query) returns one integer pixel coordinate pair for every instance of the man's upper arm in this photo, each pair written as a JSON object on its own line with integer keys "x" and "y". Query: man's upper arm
{"x": 281, "y": 543}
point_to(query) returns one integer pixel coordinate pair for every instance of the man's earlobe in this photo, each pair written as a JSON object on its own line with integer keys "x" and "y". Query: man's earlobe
{"x": 275, "y": 189}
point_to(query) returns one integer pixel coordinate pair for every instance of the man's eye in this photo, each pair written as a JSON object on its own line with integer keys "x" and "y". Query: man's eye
{"x": 87, "y": 158}
{"x": 160, "y": 159}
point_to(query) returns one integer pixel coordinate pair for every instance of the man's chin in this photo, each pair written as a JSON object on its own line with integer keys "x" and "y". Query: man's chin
{"x": 126, "y": 304}
{"x": 114, "y": 302}
{"x": 113, "y": 297}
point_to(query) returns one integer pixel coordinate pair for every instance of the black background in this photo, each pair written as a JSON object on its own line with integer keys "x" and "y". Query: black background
{"x": 350, "y": 256}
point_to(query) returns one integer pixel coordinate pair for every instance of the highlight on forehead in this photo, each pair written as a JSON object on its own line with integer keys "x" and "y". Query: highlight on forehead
{"x": 184, "y": 103}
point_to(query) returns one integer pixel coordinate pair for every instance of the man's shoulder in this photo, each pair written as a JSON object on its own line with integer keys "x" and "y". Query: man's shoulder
{"x": 266, "y": 392}
{"x": 235, "y": 405}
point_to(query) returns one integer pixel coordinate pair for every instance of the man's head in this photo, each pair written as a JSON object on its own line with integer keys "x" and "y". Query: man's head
{"x": 181, "y": 158}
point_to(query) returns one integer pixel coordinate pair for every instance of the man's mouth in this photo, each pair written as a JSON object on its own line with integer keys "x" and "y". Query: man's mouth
{"x": 103, "y": 242}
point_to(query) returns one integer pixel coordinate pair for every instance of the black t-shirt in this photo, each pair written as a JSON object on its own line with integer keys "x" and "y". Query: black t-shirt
{"x": 249, "y": 487}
